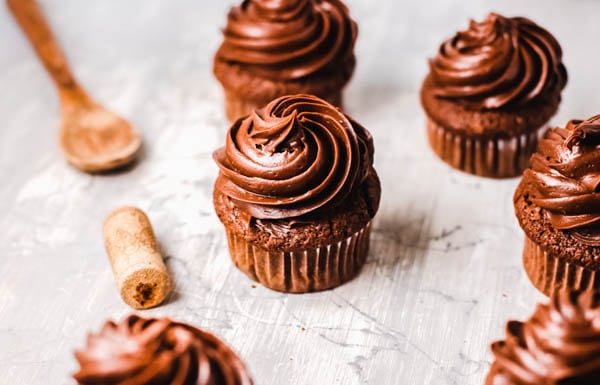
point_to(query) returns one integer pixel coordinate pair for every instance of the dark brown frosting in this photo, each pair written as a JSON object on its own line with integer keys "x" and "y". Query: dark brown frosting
{"x": 297, "y": 155}
{"x": 498, "y": 62}
{"x": 288, "y": 39}
{"x": 157, "y": 351}
{"x": 559, "y": 344}
{"x": 564, "y": 178}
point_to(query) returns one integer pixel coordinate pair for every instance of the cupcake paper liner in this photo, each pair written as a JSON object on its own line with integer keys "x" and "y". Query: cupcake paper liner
{"x": 237, "y": 107}
{"x": 549, "y": 273}
{"x": 495, "y": 157}
{"x": 302, "y": 271}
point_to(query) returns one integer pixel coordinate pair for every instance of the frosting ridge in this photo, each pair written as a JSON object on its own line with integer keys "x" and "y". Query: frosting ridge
{"x": 157, "y": 351}
{"x": 294, "y": 156}
{"x": 564, "y": 177}
{"x": 289, "y": 39}
{"x": 559, "y": 344}
{"x": 498, "y": 62}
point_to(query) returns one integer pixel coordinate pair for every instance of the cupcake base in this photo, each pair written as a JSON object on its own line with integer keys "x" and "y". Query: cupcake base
{"x": 549, "y": 273}
{"x": 301, "y": 271}
{"x": 488, "y": 156}
{"x": 237, "y": 107}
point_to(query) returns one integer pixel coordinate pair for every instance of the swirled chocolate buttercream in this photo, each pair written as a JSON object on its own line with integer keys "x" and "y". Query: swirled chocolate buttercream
{"x": 289, "y": 39}
{"x": 297, "y": 155}
{"x": 564, "y": 178}
{"x": 498, "y": 62}
{"x": 558, "y": 345}
{"x": 157, "y": 351}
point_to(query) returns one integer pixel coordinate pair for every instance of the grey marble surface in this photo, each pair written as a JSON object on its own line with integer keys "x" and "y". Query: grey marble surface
{"x": 444, "y": 272}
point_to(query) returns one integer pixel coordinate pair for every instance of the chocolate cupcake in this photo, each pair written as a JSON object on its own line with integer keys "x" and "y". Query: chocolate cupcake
{"x": 296, "y": 193}
{"x": 557, "y": 204}
{"x": 559, "y": 344}
{"x": 489, "y": 92}
{"x": 157, "y": 351}
{"x": 273, "y": 48}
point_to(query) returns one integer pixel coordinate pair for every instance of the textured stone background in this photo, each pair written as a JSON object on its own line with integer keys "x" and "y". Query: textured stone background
{"x": 444, "y": 273}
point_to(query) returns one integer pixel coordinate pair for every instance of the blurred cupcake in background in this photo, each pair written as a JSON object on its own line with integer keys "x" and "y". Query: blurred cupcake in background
{"x": 157, "y": 351}
{"x": 559, "y": 344}
{"x": 273, "y": 48}
{"x": 490, "y": 91}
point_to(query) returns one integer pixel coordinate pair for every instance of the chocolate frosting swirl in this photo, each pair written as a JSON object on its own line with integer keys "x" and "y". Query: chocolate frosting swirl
{"x": 559, "y": 344}
{"x": 564, "y": 178}
{"x": 157, "y": 351}
{"x": 296, "y": 155}
{"x": 288, "y": 39}
{"x": 498, "y": 62}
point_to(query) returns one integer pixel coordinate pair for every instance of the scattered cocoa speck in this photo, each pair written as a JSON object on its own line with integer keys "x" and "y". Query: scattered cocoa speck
{"x": 254, "y": 286}
{"x": 302, "y": 328}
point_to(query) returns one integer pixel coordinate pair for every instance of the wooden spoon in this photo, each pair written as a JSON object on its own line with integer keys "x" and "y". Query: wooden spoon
{"x": 92, "y": 138}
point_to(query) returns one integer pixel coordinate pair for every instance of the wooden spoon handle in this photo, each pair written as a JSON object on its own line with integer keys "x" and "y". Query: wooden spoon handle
{"x": 33, "y": 22}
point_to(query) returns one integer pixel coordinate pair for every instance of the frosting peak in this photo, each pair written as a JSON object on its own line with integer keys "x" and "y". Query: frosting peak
{"x": 269, "y": 136}
{"x": 564, "y": 178}
{"x": 296, "y": 155}
{"x": 157, "y": 351}
{"x": 559, "y": 344}
{"x": 498, "y": 62}
{"x": 585, "y": 133}
{"x": 289, "y": 39}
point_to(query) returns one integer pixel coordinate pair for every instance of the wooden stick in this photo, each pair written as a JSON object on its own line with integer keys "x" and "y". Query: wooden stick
{"x": 134, "y": 255}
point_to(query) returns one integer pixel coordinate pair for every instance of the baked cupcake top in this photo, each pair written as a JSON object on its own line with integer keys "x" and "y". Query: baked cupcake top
{"x": 564, "y": 179}
{"x": 498, "y": 62}
{"x": 296, "y": 156}
{"x": 559, "y": 344}
{"x": 288, "y": 39}
{"x": 157, "y": 351}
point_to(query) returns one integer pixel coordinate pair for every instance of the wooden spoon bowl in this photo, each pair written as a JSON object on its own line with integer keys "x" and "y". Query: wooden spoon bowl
{"x": 95, "y": 139}
{"x": 92, "y": 138}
